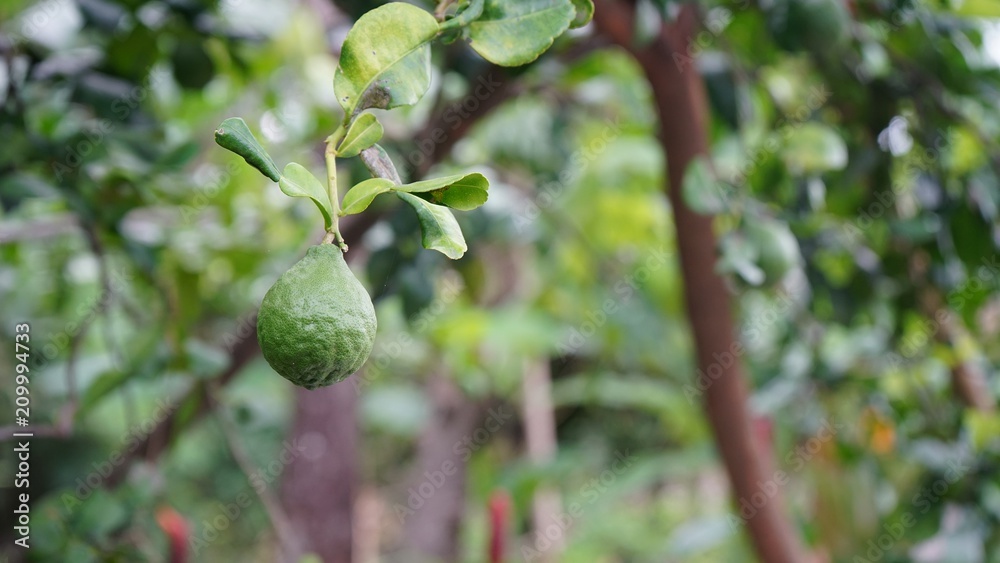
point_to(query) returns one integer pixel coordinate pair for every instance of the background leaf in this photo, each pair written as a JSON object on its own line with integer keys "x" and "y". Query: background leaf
{"x": 234, "y": 135}
{"x": 299, "y": 182}
{"x": 814, "y": 147}
{"x": 702, "y": 192}
{"x": 516, "y": 33}
{"x": 438, "y": 227}
{"x": 385, "y": 60}
{"x": 358, "y": 198}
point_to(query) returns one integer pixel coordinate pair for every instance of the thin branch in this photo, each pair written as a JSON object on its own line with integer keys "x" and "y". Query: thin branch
{"x": 283, "y": 528}
{"x": 540, "y": 436}
{"x": 968, "y": 382}
{"x": 52, "y": 226}
{"x": 442, "y": 9}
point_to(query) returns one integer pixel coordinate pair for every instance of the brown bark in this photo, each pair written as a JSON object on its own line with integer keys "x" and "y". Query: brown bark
{"x": 971, "y": 387}
{"x": 542, "y": 444}
{"x": 683, "y": 113}
{"x": 318, "y": 487}
{"x": 968, "y": 382}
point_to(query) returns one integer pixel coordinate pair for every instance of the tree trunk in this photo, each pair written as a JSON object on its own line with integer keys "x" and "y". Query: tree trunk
{"x": 432, "y": 530}
{"x": 540, "y": 436}
{"x": 682, "y": 108}
{"x": 318, "y": 487}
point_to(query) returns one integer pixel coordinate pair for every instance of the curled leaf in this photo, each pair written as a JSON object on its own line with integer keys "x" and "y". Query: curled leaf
{"x": 234, "y": 135}
{"x": 584, "y": 13}
{"x": 438, "y": 227}
{"x": 460, "y": 191}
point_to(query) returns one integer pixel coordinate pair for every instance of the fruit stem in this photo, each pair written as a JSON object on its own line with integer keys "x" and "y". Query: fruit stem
{"x": 333, "y": 233}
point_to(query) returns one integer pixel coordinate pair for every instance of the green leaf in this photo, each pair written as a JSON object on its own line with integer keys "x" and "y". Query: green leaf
{"x": 516, "y": 33}
{"x": 438, "y": 227}
{"x": 702, "y": 192}
{"x": 460, "y": 191}
{"x": 739, "y": 256}
{"x": 234, "y": 135}
{"x": 358, "y": 198}
{"x": 983, "y": 428}
{"x": 299, "y": 182}
{"x": 584, "y": 13}
{"x": 814, "y": 147}
{"x": 385, "y": 60}
{"x": 364, "y": 132}
{"x": 101, "y": 387}
{"x": 977, "y": 8}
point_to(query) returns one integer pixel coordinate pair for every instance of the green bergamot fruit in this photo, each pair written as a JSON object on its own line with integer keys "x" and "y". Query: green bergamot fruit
{"x": 316, "y": 325}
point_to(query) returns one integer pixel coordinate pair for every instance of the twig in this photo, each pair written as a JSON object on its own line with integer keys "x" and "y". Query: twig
{"x": 540, "y": 435}
{"x": 442, "y": 9}
{"x": 62, "y": 224}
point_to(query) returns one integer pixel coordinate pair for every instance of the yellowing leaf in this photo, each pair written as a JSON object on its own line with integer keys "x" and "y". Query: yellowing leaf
{"x": 385, "y": 60}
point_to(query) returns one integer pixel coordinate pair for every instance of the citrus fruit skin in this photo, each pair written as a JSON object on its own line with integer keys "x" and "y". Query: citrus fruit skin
{"x": 316, "y": 325}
